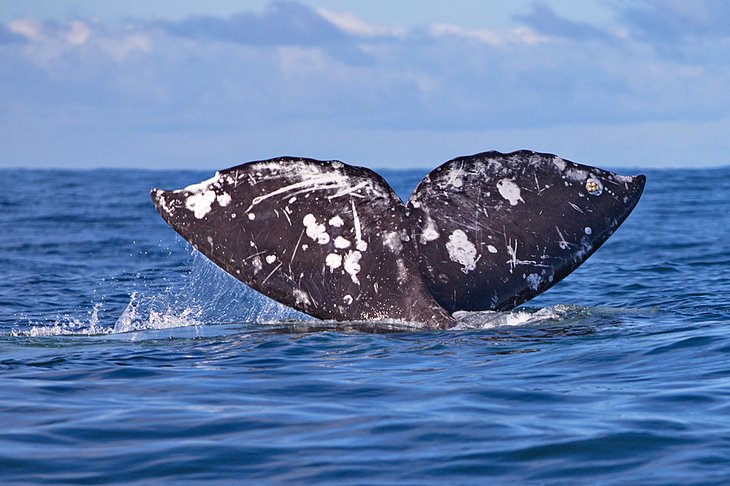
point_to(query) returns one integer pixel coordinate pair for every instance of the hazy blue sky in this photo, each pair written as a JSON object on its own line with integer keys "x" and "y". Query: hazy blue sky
{"x": 162, "y": 84}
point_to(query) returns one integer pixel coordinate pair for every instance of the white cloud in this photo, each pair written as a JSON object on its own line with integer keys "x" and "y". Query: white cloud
{"x": 356, "y": 26}
{"x": 516, "y": 36}
{"x": 78, "y": 33}
{"x": 28, "y": 28}
{"x": 221, "y": 78}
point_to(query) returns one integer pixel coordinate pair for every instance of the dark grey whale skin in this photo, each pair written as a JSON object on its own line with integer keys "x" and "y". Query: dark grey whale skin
{"x": 482, "y": 232}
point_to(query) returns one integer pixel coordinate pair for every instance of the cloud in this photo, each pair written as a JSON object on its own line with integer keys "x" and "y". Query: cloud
{"x": 353, "y": 25}
{"x": 7, "y": 36}
{"x": 544, "y": 20}
{"x": 292, "y": 71}
{"x": 282, "y": 24}
{"x": 672, "y": 20}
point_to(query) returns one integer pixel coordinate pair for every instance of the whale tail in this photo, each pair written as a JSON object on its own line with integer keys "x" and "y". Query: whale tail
{"x": 483, "y": 232}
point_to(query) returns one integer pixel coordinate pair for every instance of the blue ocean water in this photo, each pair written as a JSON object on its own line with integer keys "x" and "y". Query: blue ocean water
{"x": 126, "y": 358}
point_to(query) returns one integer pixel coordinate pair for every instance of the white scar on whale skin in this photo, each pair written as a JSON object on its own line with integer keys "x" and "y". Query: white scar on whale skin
{"x": 333, "y": 261}
{"x": 510, "y": 191}
{"x": 341, "y": 243}
{"x": 224, "y": 199}
{"x": 200, "y": 204}
{"x": 352, "y": 265}
{"x": 313, "y": 180}
{"x": 391, "y": 241}
{"x": 315, "y": 231}
{"x": 429, "y": 232}
{"x": 534, "y": 280}
{"x": 203, "y": 196}
{"x": 462, "y": 251}
{"x": 301, "y": 297}
{"x": 359, "y": 243}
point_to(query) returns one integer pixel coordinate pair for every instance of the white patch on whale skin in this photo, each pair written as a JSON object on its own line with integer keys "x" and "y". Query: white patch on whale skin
{"x": 315, "y": 231}
{"x": 224, "y": 199}
{"x": 257, "y": 265}
{"x": 336, "y": 222}
{"x": 333, "y": 261}
{"x": 429, "y": 233}
{"x": 576, "y": 175}
{"x": 270, "y": 259}
{"x": 454, "y": 177}
{"x": 491, "y": 249}
{"x": 534, "y": 280}
{"x": 588, "y": 230}
{"x": 342, "y": 243}
{"x": 347, "y": 299}
{"x": 391, "y": 241}
{"x": 160, "y": 198}
{"x": 203, "y": 186}
{"x": 200, "y": 203}
{"x": 402, "y": 271}
{"x": 352, "y": 264}
{"x": 510, "y": 191}
{"x": 251, "y": 216}
{"x": 301, "y": 297}
{"x": 462, "y": 251}
{"x": 559, "y": 163}
{"x": 360, "y": 244}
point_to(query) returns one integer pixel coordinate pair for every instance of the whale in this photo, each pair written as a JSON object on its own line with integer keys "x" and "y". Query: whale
{"x": 482, "y": 232}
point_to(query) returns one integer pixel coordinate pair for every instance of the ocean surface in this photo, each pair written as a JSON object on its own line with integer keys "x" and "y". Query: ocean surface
{"x": 126, "y": 358}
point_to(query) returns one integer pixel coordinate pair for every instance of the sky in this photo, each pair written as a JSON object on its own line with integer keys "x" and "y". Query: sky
{"x": 206, "y": 85}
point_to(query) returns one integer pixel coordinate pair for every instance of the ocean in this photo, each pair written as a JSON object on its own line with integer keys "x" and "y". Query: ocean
{"x": 127, "y": 358}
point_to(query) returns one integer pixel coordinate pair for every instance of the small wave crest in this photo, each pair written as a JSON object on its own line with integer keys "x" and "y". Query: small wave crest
{"x": 526, "y": 317}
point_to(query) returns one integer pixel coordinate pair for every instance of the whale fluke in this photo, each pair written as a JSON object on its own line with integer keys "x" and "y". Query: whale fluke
{"x": 483, "y": 232}
{"x": 494, "y": 230}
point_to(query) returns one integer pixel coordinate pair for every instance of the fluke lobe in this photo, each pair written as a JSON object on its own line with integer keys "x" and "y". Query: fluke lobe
{"x": 483, "y": 232}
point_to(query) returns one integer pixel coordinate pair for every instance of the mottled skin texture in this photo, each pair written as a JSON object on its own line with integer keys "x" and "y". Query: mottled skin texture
{"x": 529, "y": 216}
{"x": 265, "y": 244}
{"x": 484, "y": 232}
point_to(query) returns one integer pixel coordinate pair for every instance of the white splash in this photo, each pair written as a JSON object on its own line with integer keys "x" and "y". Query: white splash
{"x": 462, "y": 251}
{"x": 510, "y": 191}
